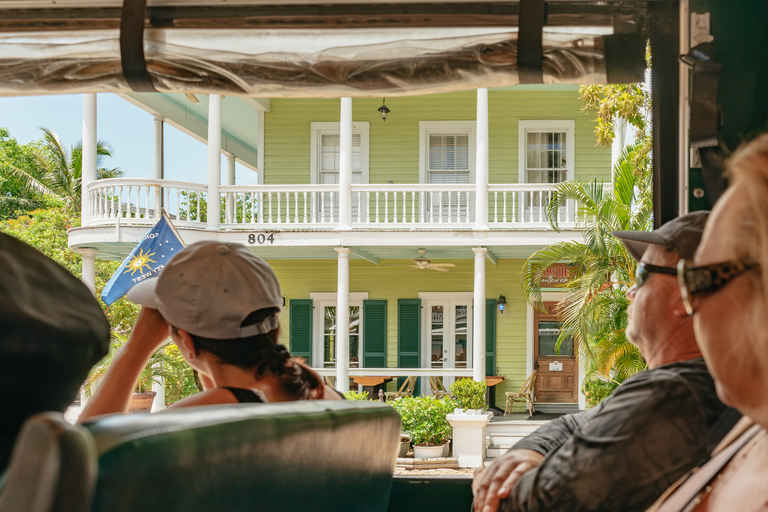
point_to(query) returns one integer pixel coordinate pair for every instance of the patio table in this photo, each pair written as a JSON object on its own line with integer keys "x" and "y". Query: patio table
{"x": 372, "y": 384}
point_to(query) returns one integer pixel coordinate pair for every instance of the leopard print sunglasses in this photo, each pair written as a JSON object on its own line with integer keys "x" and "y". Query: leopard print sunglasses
{"x": 698, "y": 280}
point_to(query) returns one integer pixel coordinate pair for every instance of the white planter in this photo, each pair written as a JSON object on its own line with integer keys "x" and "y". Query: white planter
{"x": 469, "y": 438}
{"x": 427, "y": 452}
{"x": 469, "y": 411}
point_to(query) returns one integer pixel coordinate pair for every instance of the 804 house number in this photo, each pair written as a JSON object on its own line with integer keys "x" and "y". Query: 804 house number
{"x": 261, "y": 238}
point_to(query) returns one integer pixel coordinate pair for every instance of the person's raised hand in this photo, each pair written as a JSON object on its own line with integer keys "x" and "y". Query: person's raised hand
{"x": 494, "y": 483}
{"x": 149, "y": 332}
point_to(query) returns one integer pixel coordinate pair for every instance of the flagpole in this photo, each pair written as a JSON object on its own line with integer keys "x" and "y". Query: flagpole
{"x": 173, "y": 228}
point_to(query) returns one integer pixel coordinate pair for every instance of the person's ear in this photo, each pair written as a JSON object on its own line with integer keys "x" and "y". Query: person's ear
{"x": 186, "y": 344}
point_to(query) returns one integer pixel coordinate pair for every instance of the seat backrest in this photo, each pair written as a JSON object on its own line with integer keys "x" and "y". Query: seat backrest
{"x": 52, "y": 468}
{"x": 527, "y": 388}
{"x": 411, "y": 381}
{"x": 308, "y": 455}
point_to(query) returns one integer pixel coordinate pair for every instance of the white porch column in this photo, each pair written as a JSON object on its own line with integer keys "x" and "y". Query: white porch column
{"x": 478, "y": 318}
{"x": 89, "y": 268}
{"x": 481, "y": 161}
{"x": 159, "y": 170}
{"x": 230, "y": 180}
{"x": 214, "y": 161}
{"x": 88, "y": 170}
{"x": 342, "y": 321}
{"x": 345, "y": 165}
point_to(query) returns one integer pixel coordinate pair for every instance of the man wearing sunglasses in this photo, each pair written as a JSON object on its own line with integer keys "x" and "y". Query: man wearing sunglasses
{"x": 625, "y": 452}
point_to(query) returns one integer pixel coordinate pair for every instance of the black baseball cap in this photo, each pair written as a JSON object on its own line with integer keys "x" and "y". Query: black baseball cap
{"x": 681, "y": 235}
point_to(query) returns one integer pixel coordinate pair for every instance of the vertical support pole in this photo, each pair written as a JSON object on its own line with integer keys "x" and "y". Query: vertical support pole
{"x": 230, "y": 180}
{"x": 342, "y": 321}
{"x": 665, "y": 43}
{"x": 214, "y": 161}
{"x": 159, "y": 166}
{"x": 89, "y": 268}
{"x": 478, "y": 316}
{"x": 481, "y": 162}
{"x": 345, "y": 165}
{"x": 684, "y": 118}
{"x": 88, "y": 169}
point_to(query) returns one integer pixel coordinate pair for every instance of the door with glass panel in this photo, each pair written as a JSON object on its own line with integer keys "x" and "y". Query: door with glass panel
{"x": 448, "y": 164}
{"x": 449, "y": 336}
{"x": 329, "y": 337}
{"x": 557, "y": 380}
{"x": 330, "y": 156}
{"x": 545, "y": 162}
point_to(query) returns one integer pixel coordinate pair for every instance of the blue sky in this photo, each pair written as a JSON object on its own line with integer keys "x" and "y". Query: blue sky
{"x": 125, "y": 127}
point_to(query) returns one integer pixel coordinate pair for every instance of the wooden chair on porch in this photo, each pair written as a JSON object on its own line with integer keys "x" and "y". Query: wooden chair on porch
{"x": 524, "y": 395}
{"x": 438, "y": 388}
{"x": 405, "y": 390}
{"x": 330, "y": 381}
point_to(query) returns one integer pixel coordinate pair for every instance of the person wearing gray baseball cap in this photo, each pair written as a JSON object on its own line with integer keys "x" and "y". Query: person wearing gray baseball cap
{"x": 657, "y": 425}
{"x": 220, "y": 304}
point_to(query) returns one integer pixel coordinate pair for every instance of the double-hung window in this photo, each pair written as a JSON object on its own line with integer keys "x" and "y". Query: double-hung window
{"x": 546, "y": 151}
{"x": 325, "y": 164}
{"x": 447, "y": 157}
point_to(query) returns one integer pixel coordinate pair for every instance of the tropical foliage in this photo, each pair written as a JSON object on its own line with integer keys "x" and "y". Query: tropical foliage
{"x": 424, "y": 418}
{"x": 57, "y": 170}
{"x": 594, "y": 310}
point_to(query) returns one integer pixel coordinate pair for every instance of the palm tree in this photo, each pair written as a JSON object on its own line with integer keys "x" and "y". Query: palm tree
{"x": 60, "y": 169}
{"x": 594, "y": 311}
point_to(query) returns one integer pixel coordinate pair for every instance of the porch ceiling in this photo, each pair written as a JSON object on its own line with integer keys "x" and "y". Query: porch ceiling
{"x": 239, "y": 119}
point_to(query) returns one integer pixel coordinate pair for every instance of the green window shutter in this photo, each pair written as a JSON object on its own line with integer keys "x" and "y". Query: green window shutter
{"x": 374, "y": 333}
{"x": 408, "y": 336}
{"x": 301, "y": 329}
{"x": 490, "y": 336}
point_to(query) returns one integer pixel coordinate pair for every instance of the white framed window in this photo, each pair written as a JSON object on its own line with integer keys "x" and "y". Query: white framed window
{"x": 326, "y": 151}
{"x": 447, "y": 157}
{"x": 324, "y": 329}
{"x": 545, "y": 151}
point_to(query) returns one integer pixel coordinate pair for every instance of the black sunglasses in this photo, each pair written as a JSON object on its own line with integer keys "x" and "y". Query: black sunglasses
{"x": 644, "y": 271}
{"x": 697, "y": 280}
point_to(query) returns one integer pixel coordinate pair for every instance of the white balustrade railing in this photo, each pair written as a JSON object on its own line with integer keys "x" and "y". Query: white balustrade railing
{"x": 412, "y": 205}
{"x": 139, "y": 201}
{"x": 378, "y": 206}
{"x": 525, "y": 205}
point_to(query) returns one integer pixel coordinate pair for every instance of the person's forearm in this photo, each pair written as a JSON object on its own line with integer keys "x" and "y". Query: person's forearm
{"x": 113, "y": 393}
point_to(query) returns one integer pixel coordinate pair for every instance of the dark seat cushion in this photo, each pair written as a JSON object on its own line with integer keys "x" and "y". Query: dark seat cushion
{"x": 309, "y": 455}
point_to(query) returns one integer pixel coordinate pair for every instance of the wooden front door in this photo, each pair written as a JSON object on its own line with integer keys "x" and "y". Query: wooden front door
{"x": 557, "y": 379}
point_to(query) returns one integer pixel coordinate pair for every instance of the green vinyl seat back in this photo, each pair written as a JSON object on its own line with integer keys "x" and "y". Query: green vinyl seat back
{"x": 307, "y": 455}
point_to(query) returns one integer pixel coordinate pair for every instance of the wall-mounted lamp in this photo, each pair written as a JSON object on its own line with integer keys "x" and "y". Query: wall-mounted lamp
{"x": 383, "y": 110}
{"x": 501, "y": 303}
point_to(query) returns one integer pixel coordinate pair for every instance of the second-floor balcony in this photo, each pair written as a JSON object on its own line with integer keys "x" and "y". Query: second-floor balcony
{"x": 320, "y": 207}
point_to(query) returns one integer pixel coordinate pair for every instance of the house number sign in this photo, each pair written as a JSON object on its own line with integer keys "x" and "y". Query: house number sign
{"x": 261, "y": 238}
{"x": 555, "y": 367}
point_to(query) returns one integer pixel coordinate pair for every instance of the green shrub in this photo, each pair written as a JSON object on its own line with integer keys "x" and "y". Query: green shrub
{"x": 355, "y": 396}
{"x": 469, "y": 393}
{"x": 597, "y": 390}
{"x": 424, "y": 418}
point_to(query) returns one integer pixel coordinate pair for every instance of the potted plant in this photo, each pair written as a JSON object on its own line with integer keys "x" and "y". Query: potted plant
{"x": 469, "y": 422}
{"x": 160, "y": 365}
{"x": 469, "y": 395}
{"x": 424, "y": 418}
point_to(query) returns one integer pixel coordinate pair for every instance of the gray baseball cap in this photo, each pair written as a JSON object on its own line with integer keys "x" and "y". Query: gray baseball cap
{"x": 210, "y": 287}
{"x": 682, "y": 235}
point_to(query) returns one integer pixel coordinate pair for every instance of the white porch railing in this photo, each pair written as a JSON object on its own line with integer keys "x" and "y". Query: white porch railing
{"x": 379, "y": 206}
{"x": 136, "y": 201}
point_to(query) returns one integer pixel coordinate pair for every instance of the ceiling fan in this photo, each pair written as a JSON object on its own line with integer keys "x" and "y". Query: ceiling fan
{"x": 422, "y": 263}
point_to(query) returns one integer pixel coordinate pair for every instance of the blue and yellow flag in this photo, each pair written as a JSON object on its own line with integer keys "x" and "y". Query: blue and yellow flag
{"x": 146, "y": 261}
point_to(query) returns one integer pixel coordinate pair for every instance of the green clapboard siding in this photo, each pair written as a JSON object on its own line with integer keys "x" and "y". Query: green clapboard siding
{"x": 490, "y": 336}
{"x": 301, "y": 329}
{"x": 374, "y": 333}
{"x": 408, "y": 336}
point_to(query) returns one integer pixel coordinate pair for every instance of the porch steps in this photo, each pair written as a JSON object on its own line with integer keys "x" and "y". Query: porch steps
{"x": 501, "y": 434}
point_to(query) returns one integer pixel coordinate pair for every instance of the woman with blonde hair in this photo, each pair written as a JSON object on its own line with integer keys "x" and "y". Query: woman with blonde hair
{"x": 726, "y": 291}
